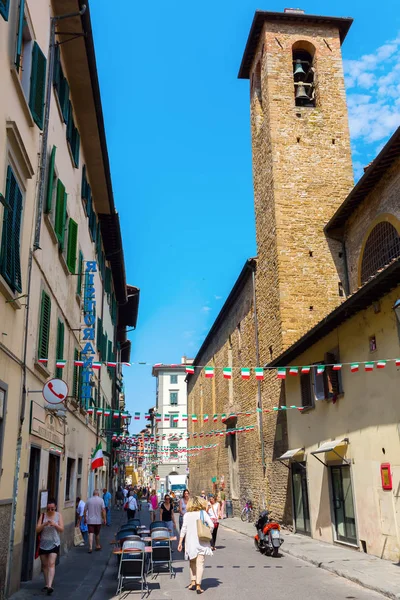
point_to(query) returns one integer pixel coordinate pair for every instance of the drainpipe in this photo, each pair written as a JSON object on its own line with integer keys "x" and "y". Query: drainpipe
{"x": 259, "y": 397}
{"x": 36, "y": 246}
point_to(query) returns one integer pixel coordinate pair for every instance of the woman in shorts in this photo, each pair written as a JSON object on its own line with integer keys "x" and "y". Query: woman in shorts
{"x": 49, "y": 526}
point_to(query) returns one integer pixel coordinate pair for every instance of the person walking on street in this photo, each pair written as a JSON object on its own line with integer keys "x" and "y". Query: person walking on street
{"x": 214, "y": 512}
{"x": 119, "y": 498}
{"x": 153, "y": 502}
{"x": 80, "y": 519}
{"x": 183, "y": 506}
{"x": 132, "y": 505}
{"x": 203, "y": 495}
{"x": 95, "y": 515}
{"x": 222, "y": 498}
{"x": 195, "y": 550}
{"x": 107, "y": 504}
{"x": 167, "y": 513}
{"x": 49, "y": 526}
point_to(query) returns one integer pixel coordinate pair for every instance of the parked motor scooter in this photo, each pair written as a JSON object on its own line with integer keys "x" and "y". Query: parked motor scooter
{"x": 268, "y": 539}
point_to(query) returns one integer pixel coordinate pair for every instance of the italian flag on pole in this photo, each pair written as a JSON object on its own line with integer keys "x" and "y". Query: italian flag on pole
{"x": 245, "y": 373}
{"x": 97, "y": 457}
{"x": 227, "y": 372}
{"x": 209, "y": 372}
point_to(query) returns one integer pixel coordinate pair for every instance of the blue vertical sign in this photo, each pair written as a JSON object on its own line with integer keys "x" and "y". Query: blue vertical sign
{"x": 89, "y": 317}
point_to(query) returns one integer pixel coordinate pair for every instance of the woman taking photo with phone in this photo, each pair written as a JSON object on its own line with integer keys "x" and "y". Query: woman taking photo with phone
{"x": 49, "y": 527}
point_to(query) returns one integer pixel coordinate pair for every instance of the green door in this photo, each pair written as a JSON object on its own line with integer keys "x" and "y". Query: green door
{"x": 343, "y": 505}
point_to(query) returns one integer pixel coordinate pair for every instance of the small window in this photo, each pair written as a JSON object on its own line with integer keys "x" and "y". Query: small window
{"x": 174, "y": 379}
{"x": 383, "y": 245}
{"x": 173, "y": 398}
{"x": 44, "y": 326}
{"x": 323, "y": 386}
{"x": 10, "y": 253}
{"x": 173, "y": 420}
{"x": 69, "y": 486}
{"x": 303, "y": 74}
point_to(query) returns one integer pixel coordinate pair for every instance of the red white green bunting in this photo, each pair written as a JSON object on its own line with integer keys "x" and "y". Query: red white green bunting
{"x": 259, "y": 373}
{"x": 209, "y": 372}
{"x": 227, "y": 372}
{"x": 281, "y": 373}
{"x": 189, "y": 369}
{"x": 245, "y": 373}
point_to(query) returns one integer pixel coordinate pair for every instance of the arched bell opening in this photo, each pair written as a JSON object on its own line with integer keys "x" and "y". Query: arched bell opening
{"x": 303, "y": 74}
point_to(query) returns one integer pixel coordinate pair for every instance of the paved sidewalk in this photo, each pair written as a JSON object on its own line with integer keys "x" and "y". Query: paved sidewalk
{"x": 79, "y": 573}
{"x": 368, "y": 571}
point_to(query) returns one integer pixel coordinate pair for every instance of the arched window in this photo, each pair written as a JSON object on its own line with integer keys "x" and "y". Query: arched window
{"x": 382, "y": 246}
{"x": 303, "y": 73}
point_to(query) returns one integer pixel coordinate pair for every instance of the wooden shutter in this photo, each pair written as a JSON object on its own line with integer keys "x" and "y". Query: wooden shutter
{"x": 84, "y": 184}
{"x": 61, "y": 213}
{"x": 50, "y": 181}
{"x": 10, "y": 264}
{"x": 38, "y": 85}
{"x": 44, "y": 327}
{"x": 72, "y": 245}
{"x": 4, "y": 8}
{"x": 104, "y": 347}
{"x": 75, "y": 145}
{"x": 80, "y": 271}
{"x": 60, "y": 346}
{"x": 305, "y": 386}
{"x": 332, "y": 377}
{"x": 107, "y": 284}
{"x": 20, "y": 32}
{"x": 64, "y": 96}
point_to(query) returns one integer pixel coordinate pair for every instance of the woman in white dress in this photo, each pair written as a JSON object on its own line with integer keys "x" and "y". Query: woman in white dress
{"x": 195, "y": 550}
{"x": 214, "y": 512}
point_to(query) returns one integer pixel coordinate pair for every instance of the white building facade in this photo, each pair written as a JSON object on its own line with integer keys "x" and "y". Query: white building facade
{"x": 171, "y": 421}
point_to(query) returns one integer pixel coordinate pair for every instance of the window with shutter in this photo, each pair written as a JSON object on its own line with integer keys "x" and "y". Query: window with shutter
{"x": 38, "y": 85}
{"x": 84, "y": 184}
{"x": 10, "y": 260}
{"x": 4, "y": 8}
{"x": 104, "y": 347}
{"x": 75, "y": 146}
{"x": 333, "y": 379}
{"x": 72, "y": 245}
{"x": 44, "y": 326}
{"x": 18, "y": 52}
{"x": 60, "y": 347}
{"x": 50, "y": 182}
{"x": 319, "y": 383}
{"x": 307, "y": 399}
{"x": 80, "y": 271}
{"x": 107, "y": 284}
{"x": 99, "y": 334}
{"x": 61, "y": 213}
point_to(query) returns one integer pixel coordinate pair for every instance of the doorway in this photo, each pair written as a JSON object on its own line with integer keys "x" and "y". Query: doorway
{"x": 53, "y": 476}
{"x": 301, "y": 507}
{"x": 31, "y": 515}
{"x": 343, "y": 504}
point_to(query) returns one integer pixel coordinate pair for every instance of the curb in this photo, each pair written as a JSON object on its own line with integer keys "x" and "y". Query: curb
{"x": 326, "y": 567}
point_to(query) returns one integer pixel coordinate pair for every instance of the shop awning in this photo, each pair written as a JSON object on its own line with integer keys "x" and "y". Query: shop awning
{"x": 291, "y": 453}
{"x": 331, "y": 447}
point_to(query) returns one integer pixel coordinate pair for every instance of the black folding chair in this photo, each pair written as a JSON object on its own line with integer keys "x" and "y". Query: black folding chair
{"x": 156, "y": 524}
{"x": 161, "y": 552}
{"x": 131, "y": 566}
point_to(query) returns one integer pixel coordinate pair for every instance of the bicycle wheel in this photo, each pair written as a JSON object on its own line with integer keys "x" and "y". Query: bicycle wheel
{"x": 243, "y": 515}
{"x": 249, "y": 515}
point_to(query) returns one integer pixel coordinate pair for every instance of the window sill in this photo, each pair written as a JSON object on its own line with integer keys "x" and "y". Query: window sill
{"x": 9, "y": 294}
{"x": 42, "y": 369}
{"x": 50, "y": 227}
{"x": 21, "y": 94}
{"x": 64, "y": 263}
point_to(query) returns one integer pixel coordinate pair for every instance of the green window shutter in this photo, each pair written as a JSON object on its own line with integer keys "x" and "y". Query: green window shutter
{"x": 50, "y": 180}
{"x": 107, "y": 284}
{"x": 61, "y": 213}
{"x": 80, "y": 271}
{"x": 104, "y": 347}
{"x": 99, "y": 334}
{"x": 10, "y": 262}
{"x": 72, "y": 245}
{"x": 70, "y": 122}
{"x": 57, "y": 68}
{"x": 44, "y": 326}
{"x": 64, "y": 96}
{"x": 75, "y": 146}
{"x": 60, "y": 346}
{"x": 38, "y": 85}
{"x": 4, "y": 8}
{"x": 89, "y": 207}
{"x": 84, "y": 184}
{"x": 19, "y": 35}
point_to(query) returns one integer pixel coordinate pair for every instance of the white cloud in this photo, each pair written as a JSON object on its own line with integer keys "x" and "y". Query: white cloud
{"x": 374, "y": 115}
{"x": 218, "y": 297}
{"x": 205, "y": 308}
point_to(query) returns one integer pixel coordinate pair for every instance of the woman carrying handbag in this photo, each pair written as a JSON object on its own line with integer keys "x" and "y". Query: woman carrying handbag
{"x": 214, "y": 512}
{"x": 196, "y": 530}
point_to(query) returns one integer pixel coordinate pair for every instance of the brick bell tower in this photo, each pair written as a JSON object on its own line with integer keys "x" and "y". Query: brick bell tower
{"x": 302, "y": 172}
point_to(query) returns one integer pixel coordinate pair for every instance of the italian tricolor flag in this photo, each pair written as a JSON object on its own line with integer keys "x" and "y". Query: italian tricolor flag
{"x": 158, "y": 418}
{"x": 43, "y": 361}
{"x": 369, "y": 366}
{"x": 209, "y": 372}
{"x": 107, "y": 412}
{"x": 354, "y": 367}
{"x": 293, "y": 371}
{"x": 97, "y": 457}
{"x": 125, "y": 415}
{"x": 111, "y": 364}
{"x": 337, "y": 367}
{"x": 189, "y": 369}
{"x": 96, "y": 365}
{"x": 176, "y": 419}
{"x": 116, "y": 414}
{"x": 227, "y": 372}
{"x": 259, "y": 373}
{"x": 194, "y": 418}
{"x": 305, "y": 369}
{"x": 320, "y": 369}
{"x": 90, "y": 410}
{"x": 184, "y": 417}
{"x": 78, "y": 363}
{"x": 281, "y": 373}
{"x": 245, "y": 373}
{"x": 381, "y": 364}
{"x": 60, "y": 364}
{"x": 223, "y": 418}
{"x": 205, "y": 418}
{"x": 397, "y": 362}
{"x": 215, "y": 418}
{"x": 99, "y": 411}
{"x": 137, "y": 416}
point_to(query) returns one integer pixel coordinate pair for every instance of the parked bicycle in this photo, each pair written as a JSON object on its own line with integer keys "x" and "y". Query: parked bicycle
{"x": 247, "y": 512}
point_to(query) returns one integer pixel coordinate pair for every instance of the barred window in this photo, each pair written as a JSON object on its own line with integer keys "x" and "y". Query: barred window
{"x": 383, "y": 245}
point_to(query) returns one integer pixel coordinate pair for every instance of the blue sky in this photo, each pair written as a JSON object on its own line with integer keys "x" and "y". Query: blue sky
{"x": 177, "y": 123}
